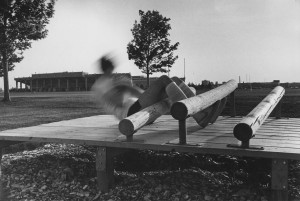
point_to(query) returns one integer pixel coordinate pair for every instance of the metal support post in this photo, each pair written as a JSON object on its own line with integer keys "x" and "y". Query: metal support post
{"x": 182, "y": 132}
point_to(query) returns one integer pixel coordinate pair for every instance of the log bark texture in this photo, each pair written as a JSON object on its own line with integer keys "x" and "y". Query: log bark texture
{"x": 134, "y": 122}
{"x": 190, "y": 106}
{"x": 246, "y": 129}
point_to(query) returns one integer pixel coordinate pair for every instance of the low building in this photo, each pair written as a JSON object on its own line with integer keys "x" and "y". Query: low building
{"x": 71, "y": 81}
{"x": 64, "y": 81}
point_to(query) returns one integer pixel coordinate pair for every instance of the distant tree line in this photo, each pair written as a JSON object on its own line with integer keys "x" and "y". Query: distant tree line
{"x": 268, "y": 85}
{"x": 210, "y": 85}
{"x": 253, "y": 85}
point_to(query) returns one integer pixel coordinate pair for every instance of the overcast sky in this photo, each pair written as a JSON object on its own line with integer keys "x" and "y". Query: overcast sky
{"x": 219, "y": 39}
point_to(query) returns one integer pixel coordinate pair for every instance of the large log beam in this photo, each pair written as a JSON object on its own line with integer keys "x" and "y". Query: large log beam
{"x": 246, "y": 129}
{"x": 202, "y": 117}
{"x": 149, "y": 114}
{"x": 190, "y": 106}
{"x": 131, "y": 124}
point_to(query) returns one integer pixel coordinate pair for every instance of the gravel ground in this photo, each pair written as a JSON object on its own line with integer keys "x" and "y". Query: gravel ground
{"x": 67, "y": 172}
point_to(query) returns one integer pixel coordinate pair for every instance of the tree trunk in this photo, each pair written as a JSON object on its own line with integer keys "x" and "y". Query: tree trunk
{"x": 5, "y": 77}
{"x": 5, "y": 62}
{"x": 148, "y": 79}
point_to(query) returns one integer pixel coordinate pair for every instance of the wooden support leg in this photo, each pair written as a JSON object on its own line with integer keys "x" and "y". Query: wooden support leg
{"x": 279, "y": 180}
{"x": 104, "y": 168}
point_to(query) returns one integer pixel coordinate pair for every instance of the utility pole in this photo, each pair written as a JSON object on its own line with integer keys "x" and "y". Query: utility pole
{"x": 184, "y": 68}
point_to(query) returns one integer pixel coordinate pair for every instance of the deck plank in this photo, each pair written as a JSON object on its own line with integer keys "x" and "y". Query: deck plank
{"x": 279, "y": 137}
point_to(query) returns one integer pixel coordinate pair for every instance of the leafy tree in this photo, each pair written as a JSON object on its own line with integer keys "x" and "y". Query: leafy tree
{"x": 21, "y": 22}
{"x": 151, "y": 48}
{"x": 11, "y": 62}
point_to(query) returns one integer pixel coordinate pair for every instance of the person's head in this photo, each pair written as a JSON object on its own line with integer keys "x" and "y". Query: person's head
{"x": 106, "y": 65}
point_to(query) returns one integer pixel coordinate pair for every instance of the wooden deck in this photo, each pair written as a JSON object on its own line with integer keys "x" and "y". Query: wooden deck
{"x": 280, "y": 139}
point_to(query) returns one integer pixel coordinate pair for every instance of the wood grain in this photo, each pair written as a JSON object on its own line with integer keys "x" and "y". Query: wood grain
{"x": 244, "y": 130}
{"x": 184, "y": 108}
{"x": 279, "y": 137}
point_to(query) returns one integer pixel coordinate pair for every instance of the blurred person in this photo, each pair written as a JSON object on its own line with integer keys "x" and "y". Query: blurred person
{"x": 121, "y": 98}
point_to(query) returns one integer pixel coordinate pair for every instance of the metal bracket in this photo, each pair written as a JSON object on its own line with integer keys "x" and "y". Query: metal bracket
{"x": 255, "y": 147}
{"x": 245, "y": 145}
{"x": 190, "y": 144}
{"x": 130, "y": 140}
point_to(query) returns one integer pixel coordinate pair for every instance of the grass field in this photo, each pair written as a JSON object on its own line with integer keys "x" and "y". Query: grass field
{"x": 29, "y": 109}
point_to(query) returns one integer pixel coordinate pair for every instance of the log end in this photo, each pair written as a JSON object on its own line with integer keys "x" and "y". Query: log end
{"x": 126, "y": 127}
{"x": 242, "y": 132}
{"x": 179, "y": 111}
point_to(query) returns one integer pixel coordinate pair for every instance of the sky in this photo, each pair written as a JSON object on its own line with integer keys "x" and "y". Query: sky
{"x": 256, "y": 40}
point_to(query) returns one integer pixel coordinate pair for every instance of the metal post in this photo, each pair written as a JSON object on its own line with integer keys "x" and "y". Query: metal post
{"x": 182, "y": 131}
{"x": 16, "y": 84}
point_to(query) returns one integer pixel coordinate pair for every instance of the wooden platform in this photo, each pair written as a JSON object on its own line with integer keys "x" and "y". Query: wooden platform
{"x": 280, "y": 139}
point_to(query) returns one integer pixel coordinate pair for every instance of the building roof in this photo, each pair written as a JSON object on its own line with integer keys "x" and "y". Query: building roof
{"x": 66, "y": 75}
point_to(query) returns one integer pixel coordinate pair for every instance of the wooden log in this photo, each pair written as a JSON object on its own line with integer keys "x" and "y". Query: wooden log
{"x": 220, "y": 109}
{"x": 149, "y": 114}
{"x": 202, "y": 117}
{"x": 246, "y": 129}
{"x": 134, "y": 122}
{"x": 190, "y": 106}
